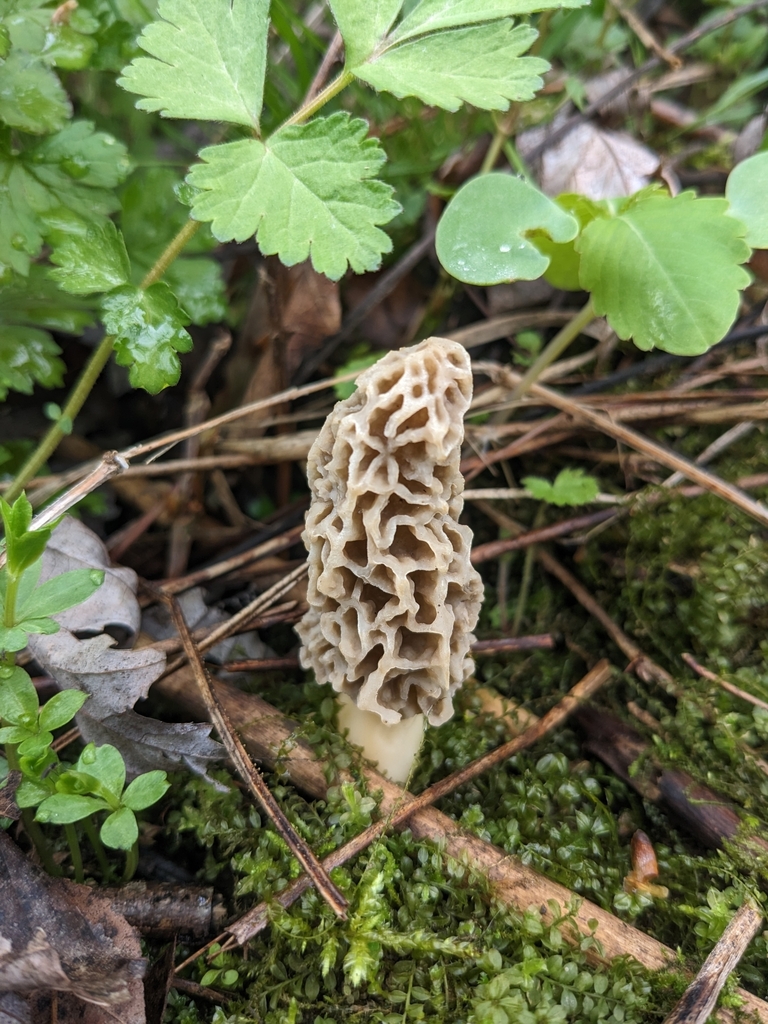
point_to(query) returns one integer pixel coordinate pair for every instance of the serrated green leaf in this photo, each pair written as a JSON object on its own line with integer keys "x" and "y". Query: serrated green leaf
{"x": 482, "y": 236}
{"x": 65, "y": 808}
{"x": 564, "y": 261}
{"x": 433, "y": 15}
{"x": 62, "y": 592}
{"x": 208, "y": 61}
{"x": 28, "y": 357}
{"x": 479, "y": 65}
{"x": 199, "y": 287}
{"x": 570, "y": 487}
{"x": 61, "y": 708}
{"x": 747, "y": 192}
{"x": 149, "y": 330}
{"x": 18, "y": 698}
{"x": 145, "y": 790}
{"x": 35, "y": 301}
{"x": 90, "y": 256}
{"x": 362, "y": 25}
{"x": 76, "y": 168}
{"x": 652, "y": 270}
{"x": 120, "y": 831}
{"x": 31, "y": 96}
{"x": 307, "y": 192}
{"x": 105, "y": 764}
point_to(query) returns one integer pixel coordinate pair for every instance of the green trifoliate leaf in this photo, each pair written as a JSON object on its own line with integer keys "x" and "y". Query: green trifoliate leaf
{"x": 433, "y": 15}
{"x": 31, "y": 96}
{"x": 89, "y": 256}
{"x": 482, "y": 236}
{"x": 76, "y": 168}
{"x": 652, "y": 270}
{"x": 145, "y": 790}
{"x": 149, "y": 331}
{"x": 307, "y": 192}
{"x": 61, "y": 708}
{"x": 570, "y": 487}
{"x": 362, "y": 25}
{"x": 28, "y": 357}
{"x": 64, "y": 808}
{"x": 18, "y": 698}
{"x": 120, "y": 831}
{"x": 747, "y": 192}
{"x": 62, "y": 592}
{"x": 479, "y": 65}
{"x": 208, "y": 61}
{"x": 105, "y": 764}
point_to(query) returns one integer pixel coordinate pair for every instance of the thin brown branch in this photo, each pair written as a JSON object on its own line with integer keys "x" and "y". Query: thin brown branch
{"x": 250, "y": 774}
{"x": 640, "y": 443}
{"x": 405, "y": 806}
{"x": 699, "y": 1000}
{"x": 735, "y": 690}
{"x": 332, "y": 55}
{"x": 494, "y": 548}
{"x": 646, "y": 37}
{"x": 508, "y": 644}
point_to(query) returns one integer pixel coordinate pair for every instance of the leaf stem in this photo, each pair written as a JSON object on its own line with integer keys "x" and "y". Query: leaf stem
{"x": 74, "y": 852}
{"x": 92, "y": 370}
{"x": 131, "y": 862}
{"x": 31, "y": 827}
{"x": 555, "y": 348}
{"x": 504, "y": 128}
{"x": 98, "y": 848}
{"x": 312, "y": 106}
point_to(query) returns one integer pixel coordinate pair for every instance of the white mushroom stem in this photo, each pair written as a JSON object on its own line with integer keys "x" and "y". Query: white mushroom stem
{"x": 393, "y": 748}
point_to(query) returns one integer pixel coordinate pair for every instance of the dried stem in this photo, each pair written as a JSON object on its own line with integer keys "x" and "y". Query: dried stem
{"x": 249, "y": 773}
{"x": 700, "y": 998}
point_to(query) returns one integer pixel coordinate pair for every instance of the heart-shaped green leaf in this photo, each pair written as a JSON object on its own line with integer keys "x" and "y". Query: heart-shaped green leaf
{"x": 747, "y": 192}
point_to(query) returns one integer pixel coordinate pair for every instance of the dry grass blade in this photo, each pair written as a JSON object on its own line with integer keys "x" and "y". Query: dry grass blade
{"x": 405, "y": 806}
{"x": 250, "y": 774}
{"x": 700, "y": 998}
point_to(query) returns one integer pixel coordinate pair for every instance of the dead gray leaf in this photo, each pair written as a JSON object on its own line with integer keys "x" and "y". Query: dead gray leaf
{"x": 597, "y": 163}
{"x": 114, "y": 679}
{"x": 74, "y": 546}
{"x": 59, "y": 935}
{"x": 147, "y": 744}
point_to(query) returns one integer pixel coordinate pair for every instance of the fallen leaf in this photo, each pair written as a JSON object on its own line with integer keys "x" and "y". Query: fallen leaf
{"x": 597, "y": 163}
{"x": 74, "y": 546}
{"x": 57, "y": 935}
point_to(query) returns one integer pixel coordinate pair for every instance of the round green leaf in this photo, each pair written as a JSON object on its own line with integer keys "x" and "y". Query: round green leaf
{"x": 483, "y": 235}
{"x": 120, "y": 830}
{"x": 106, "y": 765}
{"x": 62, "y": 708}
{"x": 64, "y": 808}
{"x": 145, "y": 790}
{"x": 747, "y": 192}
{"x": 18, "y": 697}
{"x": 666, "y": 272}
{"x": 564, "y": 260}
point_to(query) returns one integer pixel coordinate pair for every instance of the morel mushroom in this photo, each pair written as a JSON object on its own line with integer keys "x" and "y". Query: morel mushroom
{"x": 393, "y": 597}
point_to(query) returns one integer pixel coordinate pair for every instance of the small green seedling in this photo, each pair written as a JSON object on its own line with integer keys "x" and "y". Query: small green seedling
{"x": 570, "y": 487}
{"x": 62, "y": 794}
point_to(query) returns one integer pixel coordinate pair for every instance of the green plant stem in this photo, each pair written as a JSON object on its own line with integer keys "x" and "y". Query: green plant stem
{"x": 131, "y": 862}
{"x": 92, "y": 370}
{"x": 332, "y": 89}
{"x": 504, "y": 128}
{"x": 74, "y": 852}
{"x": 526, "y": 579}
{"x": 33, "y": 830}
{"x": 555, "y": 348}
{"x": 98, "y": 848}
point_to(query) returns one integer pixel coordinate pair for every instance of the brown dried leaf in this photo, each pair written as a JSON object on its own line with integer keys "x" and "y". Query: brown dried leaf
{"x": 57, "y": 935}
